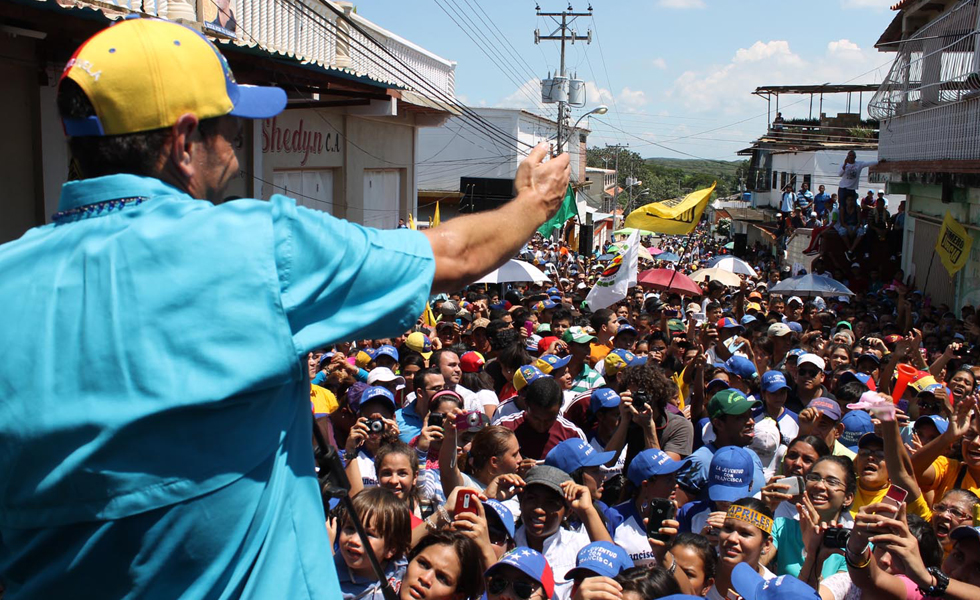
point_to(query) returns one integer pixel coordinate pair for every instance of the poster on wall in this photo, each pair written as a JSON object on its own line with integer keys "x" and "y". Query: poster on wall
{"x": 219, "y": 18}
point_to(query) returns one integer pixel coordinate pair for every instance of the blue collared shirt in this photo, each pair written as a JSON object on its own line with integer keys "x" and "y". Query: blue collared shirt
{"x": 409, "y": 422}
{"x": 155, "y": 424}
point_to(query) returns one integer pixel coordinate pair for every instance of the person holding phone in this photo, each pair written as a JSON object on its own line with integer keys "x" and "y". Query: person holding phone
{"x": 830, "y": 489}
{"x": 652, "y": 476}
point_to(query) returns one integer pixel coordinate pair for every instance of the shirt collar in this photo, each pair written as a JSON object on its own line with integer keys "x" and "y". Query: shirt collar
{"x": 75, "y": 194}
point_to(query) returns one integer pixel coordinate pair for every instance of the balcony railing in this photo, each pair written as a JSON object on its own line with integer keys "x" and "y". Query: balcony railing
{"x": 930, "y": 100}
{"x": 938, "y": 65}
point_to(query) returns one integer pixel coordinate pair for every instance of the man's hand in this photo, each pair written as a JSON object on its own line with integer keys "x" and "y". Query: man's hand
{"x": 808, "y": 420}
{"x": 546, "y": 179}
{"x": 504, "y": 487}
{"x": 358, "y": 435}
{"x": 578, "y": 498}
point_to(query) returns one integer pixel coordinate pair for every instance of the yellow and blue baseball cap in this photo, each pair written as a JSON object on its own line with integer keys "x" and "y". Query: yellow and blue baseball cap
{"x": 144, "y": 74}
{"x": 549, "y": 363}
{"x": 525, "y": 375}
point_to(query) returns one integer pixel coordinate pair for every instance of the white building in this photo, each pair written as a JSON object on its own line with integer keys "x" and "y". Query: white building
{"x": 466, "y": 167}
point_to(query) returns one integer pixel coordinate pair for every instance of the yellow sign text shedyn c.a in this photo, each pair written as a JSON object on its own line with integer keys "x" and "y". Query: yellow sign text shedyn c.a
{"x": 953, "y": 245}
{"x": 677, "y": 216}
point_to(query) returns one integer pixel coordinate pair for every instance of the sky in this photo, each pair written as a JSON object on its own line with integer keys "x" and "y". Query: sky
{"x": 678, "y": 73}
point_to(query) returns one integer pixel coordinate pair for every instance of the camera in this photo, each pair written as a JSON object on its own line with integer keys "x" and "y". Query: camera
{"x": 641, "y": 401}
{"x": 376, "y": 425}
{"x": 436, "y": 419}
{"x": 471, "y": 421}
{"x": 836, "y": 537}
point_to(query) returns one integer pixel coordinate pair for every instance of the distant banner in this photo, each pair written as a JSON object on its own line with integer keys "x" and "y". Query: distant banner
{"x": 677, "y": 216}
{"x": 953, "y": 245}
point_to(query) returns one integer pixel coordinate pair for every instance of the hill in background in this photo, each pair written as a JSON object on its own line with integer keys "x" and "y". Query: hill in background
{"x": 697, "y": 166}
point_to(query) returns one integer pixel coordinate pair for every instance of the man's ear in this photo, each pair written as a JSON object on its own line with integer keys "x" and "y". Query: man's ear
{"x": 183, "y": 134}
{"x": 838, "y": 430}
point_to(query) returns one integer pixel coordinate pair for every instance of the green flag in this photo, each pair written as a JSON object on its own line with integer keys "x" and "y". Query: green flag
{"x": 567, "y": 210}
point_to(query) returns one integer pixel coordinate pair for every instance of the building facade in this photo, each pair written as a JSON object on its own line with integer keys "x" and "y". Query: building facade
{"x": 929, "y": 107}
{"x": 346, "y": 144}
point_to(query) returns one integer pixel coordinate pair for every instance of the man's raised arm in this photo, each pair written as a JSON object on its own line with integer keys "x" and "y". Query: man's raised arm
{"x": 468, "y": 247}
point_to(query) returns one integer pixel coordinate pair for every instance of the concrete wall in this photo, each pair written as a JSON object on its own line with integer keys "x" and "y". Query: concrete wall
{"x": 20, "y": 146}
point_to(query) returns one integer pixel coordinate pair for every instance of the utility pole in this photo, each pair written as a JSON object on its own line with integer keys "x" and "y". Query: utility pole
{"x": 563, "y": 33}
{"x": 615, "y": 205}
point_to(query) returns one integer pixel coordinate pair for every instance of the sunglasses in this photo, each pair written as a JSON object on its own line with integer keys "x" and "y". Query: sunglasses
{"x": 522, "y": 589}
{"x": 803, "y": 372}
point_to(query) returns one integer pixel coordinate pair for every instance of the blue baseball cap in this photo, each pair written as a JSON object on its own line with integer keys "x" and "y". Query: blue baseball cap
{"x": 796, "y": 353}
{"x": 386, "y": 350}
{"x": 526, "y": 375}
{"x": 729, "y": 323}
{"x": 574, "y": 454}
{"x": 549, "y": 362}
{"x": 376, "y": 392}
{"x": 603, "y": 398}
{"x": 869, "y": 356}
{"x": 531, "y": 563}
{"x": 553, "y": 291}
{"x": 747, "y": 319}
{"x": 773, "y": 381}
{"x": 652, "y": 462}
{"x": 941, "y": 424}
{"x": 741, "y": 367}
{"x": 555, "y": 299}
{"x": 626, "y": 328}
{"x": 718, "y": 383}
{"x": 325, "y": 358}
{"x": 603, "y": 559}
{"x": 826, "y": 407}
{"x": 498, "y": 508}
{"x": 856, "y": 424}
{"x": 729, "y": 474}
{"x": 794, "y": 327}
{"x": 849, "y": 376}
{"x": 750, "y": 585}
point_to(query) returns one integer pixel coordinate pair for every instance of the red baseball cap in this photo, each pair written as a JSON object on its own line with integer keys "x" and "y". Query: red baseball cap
{"x": 471, "y": 362}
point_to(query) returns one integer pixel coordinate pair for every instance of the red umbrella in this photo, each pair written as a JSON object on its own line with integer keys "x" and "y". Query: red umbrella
{"x": 669, "y": 280}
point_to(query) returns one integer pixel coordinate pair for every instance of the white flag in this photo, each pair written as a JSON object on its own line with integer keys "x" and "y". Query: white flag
{"x": 618, "y": 277}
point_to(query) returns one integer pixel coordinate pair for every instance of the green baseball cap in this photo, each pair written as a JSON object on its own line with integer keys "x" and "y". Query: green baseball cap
{"x": 729, "y": 402}
{"x": 675, "y": 325}
{"x": 578, "y": 335}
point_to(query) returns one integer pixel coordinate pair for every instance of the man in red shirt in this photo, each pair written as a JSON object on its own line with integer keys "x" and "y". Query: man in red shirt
{"x": 539, "y": 428}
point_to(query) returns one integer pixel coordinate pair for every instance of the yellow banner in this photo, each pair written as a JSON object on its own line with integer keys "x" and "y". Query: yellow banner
{"x": 953, "y": 245}
{"x": 677, "y": 216}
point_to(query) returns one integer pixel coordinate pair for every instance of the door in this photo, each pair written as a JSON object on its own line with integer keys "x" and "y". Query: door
{"x": 310, "y": 188}
{"x": 382, "y": 198}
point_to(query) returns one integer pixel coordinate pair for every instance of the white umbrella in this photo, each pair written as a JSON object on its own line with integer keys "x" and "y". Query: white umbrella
{"x": 732, "y": 264}
{"x": 643, "y": 252}
{"x": 811, "y": 285}
{"x": 715, "y": 274}
{"x": 515, "y": 270}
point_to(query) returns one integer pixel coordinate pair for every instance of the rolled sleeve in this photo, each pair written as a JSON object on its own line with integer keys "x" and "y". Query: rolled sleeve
{"x": 341, "y": 281}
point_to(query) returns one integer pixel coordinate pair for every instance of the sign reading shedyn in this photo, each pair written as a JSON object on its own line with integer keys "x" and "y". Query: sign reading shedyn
{"x": 953, "y": 244}
{"x": 677, "y": 216}
{"x": 297, "y": 141}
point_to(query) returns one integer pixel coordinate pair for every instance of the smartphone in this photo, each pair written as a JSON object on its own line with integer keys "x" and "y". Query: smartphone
{"x": 661, "y": 509}
{"x": 436, "y": 419}
{"x": 670, "y": 313}
{"x": 895, "y": 496}
{"x": 466, "y": 502}
{"x": 836, "y": 537}
{"x": 700, "y": 318}
{"x": 529, "y": 328}
{"x": 795, "y": 483}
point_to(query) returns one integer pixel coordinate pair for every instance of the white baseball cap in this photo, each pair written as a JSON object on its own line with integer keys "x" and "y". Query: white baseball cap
{"x": 385, "y": 375}
{"x": 813, "y": 359}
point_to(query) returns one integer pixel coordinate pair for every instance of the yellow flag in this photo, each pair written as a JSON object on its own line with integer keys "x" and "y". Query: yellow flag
{"x": 435, "y": 219}
{"x": 953, "y": 245}
{"x": 411, "y": 222}
{"x": 428, "y": 317}
{"x": 677, "y": 216}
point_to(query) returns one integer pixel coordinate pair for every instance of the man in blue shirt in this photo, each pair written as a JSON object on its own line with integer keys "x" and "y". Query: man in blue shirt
{"x": 169, "y": 454}
{"x": 821, "y": 201}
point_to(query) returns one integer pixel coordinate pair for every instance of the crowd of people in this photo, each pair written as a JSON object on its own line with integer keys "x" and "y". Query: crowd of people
{"x": 510, "y": 443}
{"x": 649, "y": 448}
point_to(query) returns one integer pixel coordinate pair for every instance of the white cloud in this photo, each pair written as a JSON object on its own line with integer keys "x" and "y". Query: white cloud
{"x": 726, "y": 89}
{"x": 527, "y": 96}
{"x": 682, "y": 4}
{"x": 659, "y": 63}
{"x": 630, "y": 100}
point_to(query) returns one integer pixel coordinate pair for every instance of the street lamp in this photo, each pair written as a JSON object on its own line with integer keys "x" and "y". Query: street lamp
{"x": 599, "y": 110}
